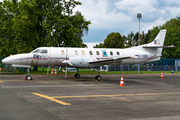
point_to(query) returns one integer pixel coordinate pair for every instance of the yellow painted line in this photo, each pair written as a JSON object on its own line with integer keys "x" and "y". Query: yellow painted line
{"x": 119, "y": 95}
{"x": 1, "y": 81}
{"x": 52, "y": 99}
{"x": 12, "y": 80}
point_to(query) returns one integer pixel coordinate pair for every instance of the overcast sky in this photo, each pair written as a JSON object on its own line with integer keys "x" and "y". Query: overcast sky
{"x": 121, "y": 16}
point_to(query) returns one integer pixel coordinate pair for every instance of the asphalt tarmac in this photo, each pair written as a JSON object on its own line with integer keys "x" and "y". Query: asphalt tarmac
{"x": 53, "y": 97}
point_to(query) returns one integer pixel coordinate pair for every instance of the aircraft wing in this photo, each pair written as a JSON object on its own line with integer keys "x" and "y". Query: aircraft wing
{"x": 109, "y": 61}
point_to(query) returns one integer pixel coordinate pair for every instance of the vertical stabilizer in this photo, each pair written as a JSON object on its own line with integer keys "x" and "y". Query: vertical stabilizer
{"x": 156, "y": 45}
{"x": 159, "y": 40}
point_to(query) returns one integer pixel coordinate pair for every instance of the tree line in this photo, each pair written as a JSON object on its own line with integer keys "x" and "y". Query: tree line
{"x": 28, "y": 24}
{"x": 116, "y": 40}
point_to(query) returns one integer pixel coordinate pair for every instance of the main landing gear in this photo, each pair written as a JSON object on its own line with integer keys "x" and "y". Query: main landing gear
{"x": 77, "y": 75}
{"x": 98, "y": 77}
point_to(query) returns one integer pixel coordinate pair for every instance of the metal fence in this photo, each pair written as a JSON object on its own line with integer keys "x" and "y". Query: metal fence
{"x": 165, "y": 64}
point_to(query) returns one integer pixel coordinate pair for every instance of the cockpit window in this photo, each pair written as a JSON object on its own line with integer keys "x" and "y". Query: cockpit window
{"x": 40, "y": 51}
{"x": 43, "y": 51}
{"x": 36, "y": 51}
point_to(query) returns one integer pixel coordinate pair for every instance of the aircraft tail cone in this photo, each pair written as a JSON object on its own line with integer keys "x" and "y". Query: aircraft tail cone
{"x": 162, "y": 75}
{"x": 122, "y": 81}
{"x": 172, "y": 71}
{"x": 55, "y": 72}
{"x": 52, "y": 72}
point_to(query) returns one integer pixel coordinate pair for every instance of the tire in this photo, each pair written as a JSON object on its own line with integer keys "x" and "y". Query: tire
{"x": 77, "y": 75}
{"x": 29, "y": 77}
{"x": 99, "y": 78}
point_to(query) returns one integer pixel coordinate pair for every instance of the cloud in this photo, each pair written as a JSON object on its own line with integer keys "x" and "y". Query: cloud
{"x": 148, "y": 8}
{"x": 100, "y": 15}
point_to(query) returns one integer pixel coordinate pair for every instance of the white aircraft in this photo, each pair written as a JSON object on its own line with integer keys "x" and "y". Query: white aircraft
{"x": 90, "y": 57}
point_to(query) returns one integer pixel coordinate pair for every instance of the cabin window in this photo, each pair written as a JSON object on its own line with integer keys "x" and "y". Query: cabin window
{"x": 117, "y": 53}
{"x": 97, "y": 52}
{"x": 43, "y": 51}
{"x": 62, "y": 52}
{"x": 90, "y": 52}
{"x": 111, "y": 53}
{"x": 83, "y": 53}
{"x": 76, "y": 52}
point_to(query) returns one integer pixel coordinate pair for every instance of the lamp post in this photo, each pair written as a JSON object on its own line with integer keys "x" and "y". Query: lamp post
{"x": 139, "y": 16}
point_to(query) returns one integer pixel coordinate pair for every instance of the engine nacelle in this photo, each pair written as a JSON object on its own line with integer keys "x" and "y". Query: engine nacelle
{"x": 81, "y": 61}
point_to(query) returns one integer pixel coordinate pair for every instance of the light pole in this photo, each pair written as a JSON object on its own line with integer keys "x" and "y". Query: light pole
{"x": 139, "y": 16}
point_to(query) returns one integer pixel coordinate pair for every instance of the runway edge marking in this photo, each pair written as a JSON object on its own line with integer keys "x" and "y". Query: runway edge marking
{"x": 52, "y": 99}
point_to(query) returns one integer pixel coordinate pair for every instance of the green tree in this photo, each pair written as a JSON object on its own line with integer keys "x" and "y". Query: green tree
{"x": 130, "y": 39}
{"x": 114, "y": 40}
{"x": 29, "y": 24}
{"x": 100, "y": 45}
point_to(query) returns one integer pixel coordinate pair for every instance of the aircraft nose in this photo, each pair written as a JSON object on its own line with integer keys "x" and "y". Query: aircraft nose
{"x": 11, "y": 59}
{"x": 6, "y": 61}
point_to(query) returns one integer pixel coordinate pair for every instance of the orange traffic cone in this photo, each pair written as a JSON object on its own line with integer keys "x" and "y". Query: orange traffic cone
{"x": 52, "y": 72}
{"x": 162, "y": 75}
{"x": 55, "y": 72}
{"x": 122, "y": 81}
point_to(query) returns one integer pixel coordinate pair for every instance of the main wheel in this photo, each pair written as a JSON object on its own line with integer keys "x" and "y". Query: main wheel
{"x": 99, "y": 78}
{"x": 77, "y": 76}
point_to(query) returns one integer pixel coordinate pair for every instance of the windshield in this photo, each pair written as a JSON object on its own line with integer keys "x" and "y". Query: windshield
{"x": 40, "y": 51}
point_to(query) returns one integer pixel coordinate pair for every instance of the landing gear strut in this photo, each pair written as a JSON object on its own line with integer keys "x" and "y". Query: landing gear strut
{"x": 98, "y": 77}
{"x": 77, "y": 75}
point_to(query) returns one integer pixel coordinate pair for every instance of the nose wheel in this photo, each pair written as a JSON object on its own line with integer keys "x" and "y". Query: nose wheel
{"x": 28, "y": 77}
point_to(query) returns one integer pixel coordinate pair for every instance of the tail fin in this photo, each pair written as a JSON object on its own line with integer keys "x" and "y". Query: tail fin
{"x": 158, "y": 42}
{"x": 156, "y": 45}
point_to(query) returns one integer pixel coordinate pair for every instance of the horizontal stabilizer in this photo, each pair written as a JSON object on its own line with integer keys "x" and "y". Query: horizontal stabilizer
{"x": 109, "y": 61}
{"x": 158, "y": 46}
